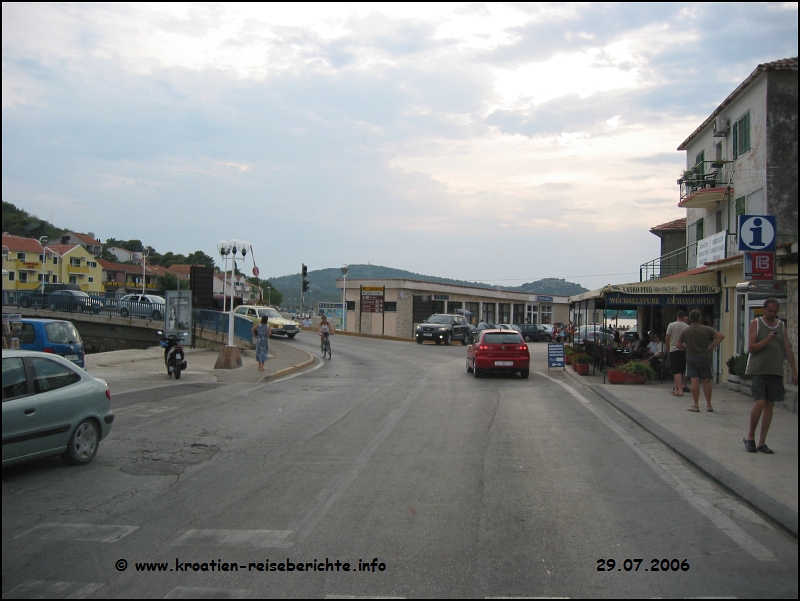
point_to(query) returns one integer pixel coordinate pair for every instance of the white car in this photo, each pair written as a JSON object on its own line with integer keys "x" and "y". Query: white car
{"x": 142, "y": 305}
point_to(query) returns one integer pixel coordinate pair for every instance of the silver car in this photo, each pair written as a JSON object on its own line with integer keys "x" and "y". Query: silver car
{"x": 52, "y": 407}
{"x": 142, "y": 305}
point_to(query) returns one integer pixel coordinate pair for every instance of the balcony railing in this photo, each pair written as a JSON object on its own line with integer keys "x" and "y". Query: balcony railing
{"x": 693, "y": 180}
{"x": 675, "y": 262}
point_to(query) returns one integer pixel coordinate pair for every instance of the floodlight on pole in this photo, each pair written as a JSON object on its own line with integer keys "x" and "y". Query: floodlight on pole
{"x": 42, "y": 242}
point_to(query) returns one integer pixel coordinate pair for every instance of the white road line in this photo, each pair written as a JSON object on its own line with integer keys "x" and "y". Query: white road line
{"x": 236, "y": 538}
{"x": 670, "y": 475}
{"x": 83, "y": 532}
{"x": 199, "y": 592}
{"x": 52, "y": 589}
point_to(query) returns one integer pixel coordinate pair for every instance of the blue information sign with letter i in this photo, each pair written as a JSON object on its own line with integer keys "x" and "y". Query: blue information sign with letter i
{"x": 757, "y": 233}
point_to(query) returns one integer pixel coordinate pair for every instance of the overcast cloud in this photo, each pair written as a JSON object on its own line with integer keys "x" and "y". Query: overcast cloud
{"x": 501, "y": 143}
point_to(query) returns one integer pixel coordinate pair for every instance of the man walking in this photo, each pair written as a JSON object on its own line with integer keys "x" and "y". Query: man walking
{"x": 698, "y": 341}
{"x": 677, "y": 357}
{"x": 768, "y": 344}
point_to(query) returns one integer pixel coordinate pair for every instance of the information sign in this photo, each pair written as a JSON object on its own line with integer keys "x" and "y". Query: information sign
{"x": 555, "y": 354}
{"x": 757, "y": 233}
{"x": 333, "y": 311}
{"x": 372, "y": 298}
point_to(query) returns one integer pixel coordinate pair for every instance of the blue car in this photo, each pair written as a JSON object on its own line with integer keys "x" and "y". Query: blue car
{"x": 55, "y": 336}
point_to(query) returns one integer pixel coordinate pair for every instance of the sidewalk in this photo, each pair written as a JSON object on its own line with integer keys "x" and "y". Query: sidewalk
{"x": 712, "y": 442}
{"x": 116, "y": 367}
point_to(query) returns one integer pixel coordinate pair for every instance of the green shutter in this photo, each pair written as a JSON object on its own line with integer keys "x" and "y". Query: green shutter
{"x": 740, "y": 210}
{"x": 744, "y": 133}
{"x": 699, "y": 229}
{"x": 736, "y": 140}
{"x": 699, "y": 162}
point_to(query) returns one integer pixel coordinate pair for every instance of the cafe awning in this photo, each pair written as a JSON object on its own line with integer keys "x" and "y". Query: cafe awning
{"x": 697, "y": 290}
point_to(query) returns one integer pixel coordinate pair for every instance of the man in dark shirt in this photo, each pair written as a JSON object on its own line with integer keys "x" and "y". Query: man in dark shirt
{"x": 698, "y": 341}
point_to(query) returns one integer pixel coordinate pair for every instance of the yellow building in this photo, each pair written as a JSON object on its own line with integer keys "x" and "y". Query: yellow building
{"x": 22, "y": 259}
{"x": 78, "y": 266}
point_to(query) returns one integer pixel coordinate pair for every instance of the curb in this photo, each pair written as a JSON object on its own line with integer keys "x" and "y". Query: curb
{"x": 776, "y": 511}
{"x": 288, "y": 370}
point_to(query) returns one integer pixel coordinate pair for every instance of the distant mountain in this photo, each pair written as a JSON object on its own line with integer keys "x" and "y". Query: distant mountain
{"x": 21, "y": 223}
{"x": 322, "y": 283}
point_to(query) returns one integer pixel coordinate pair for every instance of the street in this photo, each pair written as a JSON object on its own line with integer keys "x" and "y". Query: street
{"x": 392, "y": 459}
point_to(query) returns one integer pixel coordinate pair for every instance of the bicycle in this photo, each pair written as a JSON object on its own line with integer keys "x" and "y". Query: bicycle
{"x": 325, "y": 347}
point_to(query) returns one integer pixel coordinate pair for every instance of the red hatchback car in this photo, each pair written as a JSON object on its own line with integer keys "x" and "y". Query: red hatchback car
{"x": 498, "y": 350}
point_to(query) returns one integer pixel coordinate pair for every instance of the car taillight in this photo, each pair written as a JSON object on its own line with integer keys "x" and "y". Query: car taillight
{"x": 48, "y": 350}
{"x": 483, "y": 347}
{"x": 108, "y": 394}
{"x": 523, "y": 347}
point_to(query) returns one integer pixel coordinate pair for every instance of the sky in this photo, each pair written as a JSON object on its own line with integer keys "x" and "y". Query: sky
{"x": 486, "y": 142}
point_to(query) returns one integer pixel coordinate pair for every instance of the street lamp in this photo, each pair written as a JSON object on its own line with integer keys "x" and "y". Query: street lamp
{"x": 145, "y": 254}
{"x": 229, "y": 356}
{"x": 345, "y": 269}
{"x": 224, "y": 250}
{"x": 42, "y": 242}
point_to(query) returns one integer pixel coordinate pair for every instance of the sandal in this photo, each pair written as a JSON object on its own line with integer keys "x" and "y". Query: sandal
{"x": 750, "y": 445}
{"x": 710, "y": 409}
{"x": 765, "y": 449}
{"x": 694, "y": 409}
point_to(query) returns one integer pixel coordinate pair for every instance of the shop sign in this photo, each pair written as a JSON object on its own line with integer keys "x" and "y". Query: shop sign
{"x": 711, "y": 248}
{"x": 759, "y": 266}
{"x": 627, "y": 300}
{"x": 757, "y": 233}
{"x": 546, "y": 299}
{"x": 555, "y": 354}
{"x": 665, "y": 288}
{"x": 441, "y": 297}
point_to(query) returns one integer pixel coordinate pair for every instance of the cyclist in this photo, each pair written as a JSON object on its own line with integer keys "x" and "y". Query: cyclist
{"x": 325, "y": 329}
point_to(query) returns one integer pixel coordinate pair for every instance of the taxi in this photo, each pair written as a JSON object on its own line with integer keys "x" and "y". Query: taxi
{"x": 279, "y": 324}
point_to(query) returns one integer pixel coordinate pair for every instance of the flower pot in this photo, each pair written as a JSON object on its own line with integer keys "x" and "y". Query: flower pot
{"x": 733, "y": 383}
{"x": 745, "y": 387}
{"x": 620, "y": 377}
{"x": 568, "y": 359}
{"x": 581, "y": 368}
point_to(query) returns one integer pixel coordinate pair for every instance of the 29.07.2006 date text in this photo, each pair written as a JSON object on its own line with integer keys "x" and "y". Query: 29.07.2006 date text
{"x": 632, "y": 565}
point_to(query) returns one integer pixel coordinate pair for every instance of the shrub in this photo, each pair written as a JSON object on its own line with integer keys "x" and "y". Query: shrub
{"x": 741, "y": 366}
{"x": 637, "y": 368}
{"x": 582, "y": 359}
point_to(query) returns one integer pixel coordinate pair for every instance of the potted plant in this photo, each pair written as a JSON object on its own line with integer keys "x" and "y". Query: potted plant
{"x": 740, "y": 368}
{"x": 634, "y": 372}
{"x": 569, "y": 352}
{"x": 733, "y": 377}
{"x": 580, "y": 363}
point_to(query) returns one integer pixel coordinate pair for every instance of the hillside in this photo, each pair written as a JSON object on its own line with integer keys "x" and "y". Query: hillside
{"x": 322, "y": 283}
{"x": 21, "y": 223}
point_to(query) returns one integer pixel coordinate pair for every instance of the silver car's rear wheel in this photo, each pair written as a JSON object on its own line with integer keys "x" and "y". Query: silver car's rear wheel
{"x": 83, "y": 443}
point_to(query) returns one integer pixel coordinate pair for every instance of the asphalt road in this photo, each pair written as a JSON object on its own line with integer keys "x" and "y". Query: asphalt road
{"x": 389, "y": 455}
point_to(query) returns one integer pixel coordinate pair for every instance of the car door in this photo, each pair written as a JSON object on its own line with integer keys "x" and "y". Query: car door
{"x": 60, "y": 406}
{"x": 21, "y": 414}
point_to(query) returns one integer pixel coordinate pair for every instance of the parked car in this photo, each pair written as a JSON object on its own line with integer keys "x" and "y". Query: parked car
{"x": 55, "y": 336}
{"x": 534, "y": 332}
{"x": 39, "y": 296}
{"x": 75, "y": 301}
{"x": 142, "y": 305}
{"x": 444, "y": 328}
{"x": 498, "y": 350}
{"x": 594, "y": 332}
{"x": 50, "y": 407}
{"x": 279, "y": 324}
{"x": 510, "y": 326}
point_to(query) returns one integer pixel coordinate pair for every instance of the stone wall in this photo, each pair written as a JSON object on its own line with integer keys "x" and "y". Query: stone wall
{"x": 405, "y": 319}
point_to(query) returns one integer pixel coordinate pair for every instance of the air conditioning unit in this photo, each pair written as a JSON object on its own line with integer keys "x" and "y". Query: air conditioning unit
{"x": 721, "y": 127}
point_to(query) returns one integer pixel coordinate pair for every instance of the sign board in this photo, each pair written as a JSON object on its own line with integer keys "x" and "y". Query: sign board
{"x": 178, "y": 314}
{"x": 555, "y": 354}
{"x": 546, "y": 299}
{"x": 757, "y": 233}
{"x": 711, "y": 248}
{"x": 621, "y": 301}
{"x": 333, "y": 311}
{"x": 372, "y": 298}
{"x": 441, "y": 297}
{"x": 759, "y": 266}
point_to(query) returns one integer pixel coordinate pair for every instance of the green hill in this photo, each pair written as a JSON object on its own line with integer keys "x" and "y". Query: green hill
{"x": 21, "y": 223}
{"x": 322, "y": 283}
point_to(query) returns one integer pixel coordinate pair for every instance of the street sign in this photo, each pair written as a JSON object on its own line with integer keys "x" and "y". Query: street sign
{"x": 757, "y": 233}
{"x": 255, "y": 271}
{"x": 555, "y": 354}
{"x": 759, "y": 266}
{"x": 372, "y": 298}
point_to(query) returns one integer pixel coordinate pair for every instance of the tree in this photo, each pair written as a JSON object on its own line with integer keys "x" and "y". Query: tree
{"x": 272, "y": 296}
{"x": 20, "y": 223}
{"x": 169, "y": 281}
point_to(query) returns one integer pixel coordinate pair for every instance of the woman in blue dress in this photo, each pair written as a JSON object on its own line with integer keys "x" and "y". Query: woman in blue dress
{"x": 261, "y": 334}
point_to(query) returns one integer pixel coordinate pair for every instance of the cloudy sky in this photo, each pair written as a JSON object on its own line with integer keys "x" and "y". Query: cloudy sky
{"x": 491, "y": 142}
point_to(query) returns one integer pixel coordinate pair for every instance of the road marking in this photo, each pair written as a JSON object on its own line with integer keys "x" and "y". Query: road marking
{"x": 84, "y": 532}
{"x": 655, "y": 459}
{"x": 199, "y": 592}
{"x": 52, "y": 589}
{"x": 236, "y": 538}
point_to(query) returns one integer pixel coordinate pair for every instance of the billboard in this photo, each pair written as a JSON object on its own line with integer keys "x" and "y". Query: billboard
{"x": 178, "y": 314}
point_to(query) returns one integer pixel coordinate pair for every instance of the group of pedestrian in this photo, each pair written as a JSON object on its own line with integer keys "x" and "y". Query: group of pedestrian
{"x": 689, "y": 347}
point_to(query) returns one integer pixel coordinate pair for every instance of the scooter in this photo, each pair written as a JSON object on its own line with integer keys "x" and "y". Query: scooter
{"x": 174, "y": 356}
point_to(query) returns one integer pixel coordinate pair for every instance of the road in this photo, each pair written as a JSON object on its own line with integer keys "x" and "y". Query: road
{"x": 389, "y": 455}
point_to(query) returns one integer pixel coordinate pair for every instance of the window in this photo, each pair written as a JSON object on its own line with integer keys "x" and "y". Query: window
{"x": 20, "y": 256}
{"x": 741, "y": 135}
{"x": 698, "y": 228}
{"x": 438, "y": 306}
{"x": 473, "y": 308}
{"x": 351, "y": 305}
{"x": 55, "y": 260}
{"x": 46, "y": 278}
{"x": 73, "y": 279}
{"x": 55, "y": 279}
{"x": 91, "y": 280}
{"x": 23, "y": 277}
{"x": 92, "y": 263}
{"x": 519, "y": 314}
{"x": 10, "y": 276}
{"x": 390, "y": 307}
{"x": 699, "y": 162}
{"x": 488, "y": 312}
{"x": 504, "y": 314}
{"x": 15, "y": 383}
{"x": 51, "y": 375}
{"x": 547, "y": 313}
{"x": 741, "y": 209}
{"x": 75, "y": 262}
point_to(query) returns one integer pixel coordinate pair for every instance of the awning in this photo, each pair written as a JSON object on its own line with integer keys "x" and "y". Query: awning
{"x": 700, "y": 289}
{"x": 705, "y": 198}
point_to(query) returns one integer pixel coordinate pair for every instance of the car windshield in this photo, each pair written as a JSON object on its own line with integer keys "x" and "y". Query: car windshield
{"x": 269, "y": 313}
{"x": 440, "y": 319}
{"x": 62, "y": 332}
{"x": 501, "y": 338}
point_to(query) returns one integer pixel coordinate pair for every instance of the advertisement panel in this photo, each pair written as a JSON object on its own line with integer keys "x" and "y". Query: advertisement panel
{"x": 178, "y": 314}
{"x": 711, "y": 248}
{"x": 333, "y": 311}
{"x": 759, "y": 266}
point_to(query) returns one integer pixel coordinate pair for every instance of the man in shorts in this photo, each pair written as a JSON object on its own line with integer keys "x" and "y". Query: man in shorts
{"x": 768, "y": 345}
{"x": 677, "y": 357}
{"x": 698, "y": 341}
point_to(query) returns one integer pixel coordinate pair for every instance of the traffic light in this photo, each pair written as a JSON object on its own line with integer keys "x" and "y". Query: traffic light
{"x": 304, "y": 271}
{"x": 305, "y": 284}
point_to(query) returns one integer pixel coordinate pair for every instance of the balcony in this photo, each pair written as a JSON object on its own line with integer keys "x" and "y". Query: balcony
{"x": 701, "y": 190}
{"x": 675, "y": 262}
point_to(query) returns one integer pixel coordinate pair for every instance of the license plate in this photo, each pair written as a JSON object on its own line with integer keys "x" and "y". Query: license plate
{"x": 503, "y": 363}
{"x": 427, "y": 334}
{"x": 72, "y": 357}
